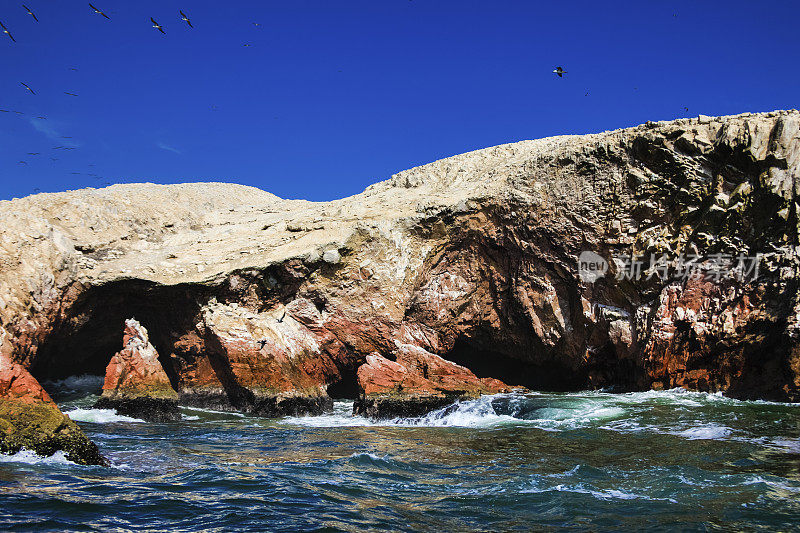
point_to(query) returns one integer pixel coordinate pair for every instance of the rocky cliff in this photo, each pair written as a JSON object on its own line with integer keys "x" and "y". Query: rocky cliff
{"x": 272, "y": 306}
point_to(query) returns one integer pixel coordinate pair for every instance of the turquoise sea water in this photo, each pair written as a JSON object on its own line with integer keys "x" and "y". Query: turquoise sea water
{"x": 585, "y": 461}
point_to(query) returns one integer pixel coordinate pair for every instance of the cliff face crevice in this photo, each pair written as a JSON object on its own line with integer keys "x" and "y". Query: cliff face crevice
{"x": 274, "y": 306}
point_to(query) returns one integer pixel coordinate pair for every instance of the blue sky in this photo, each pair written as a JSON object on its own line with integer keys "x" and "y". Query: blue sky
{"x": 332, "y": 96}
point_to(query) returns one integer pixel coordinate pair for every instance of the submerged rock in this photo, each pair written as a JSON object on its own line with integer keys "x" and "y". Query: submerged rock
{"x": 29, "y": 419}
{"x": 136, "y": 384}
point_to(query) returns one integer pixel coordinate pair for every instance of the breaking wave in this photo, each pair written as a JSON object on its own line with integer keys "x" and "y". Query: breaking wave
{"x": 99, "y": 416}
{"x": 31, "y": 458}
{"x": 621, "y": 413}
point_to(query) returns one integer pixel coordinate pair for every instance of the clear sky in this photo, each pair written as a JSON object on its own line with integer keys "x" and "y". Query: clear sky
{"x": 331, "y": 96}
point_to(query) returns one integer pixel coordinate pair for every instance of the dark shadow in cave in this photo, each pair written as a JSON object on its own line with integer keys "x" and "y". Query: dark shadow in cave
{"x": 90, "y": 332}
{"x": 510, "y": 365}
{"x": 347, "y": 386}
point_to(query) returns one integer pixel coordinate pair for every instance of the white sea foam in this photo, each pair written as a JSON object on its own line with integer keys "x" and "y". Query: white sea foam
{"x": 706, "y": 432}
{"x": 550, "y": 412}
{"x": 31, "y": 458}
{"x": 366, "y": 455}
{"x": 213, "y": 411}
{"x": 342, "y": 416}
{"x": 687, "y": 398}
{"x": 478, "y": 413}
{"x": 778, "y": 485}
{"x": 579, "y": 416}
{"x": 789, "y": 445}
{"x": 99, "y": 416}
{"x": 472, "y": 413}
{"x": 600, "y": 494}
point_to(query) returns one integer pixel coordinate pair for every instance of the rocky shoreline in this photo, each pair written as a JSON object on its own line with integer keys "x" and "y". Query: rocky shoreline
{"x": 448, "y": 281}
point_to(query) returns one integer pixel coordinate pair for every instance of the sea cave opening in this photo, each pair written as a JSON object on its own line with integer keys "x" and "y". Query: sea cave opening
{"x": 90, "y": 331}
{"x": 514, "y": 364}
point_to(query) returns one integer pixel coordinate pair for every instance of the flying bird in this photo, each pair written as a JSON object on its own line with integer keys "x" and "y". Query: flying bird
{"x": 262, "y": 343}
{"x": 71, "y": 94}
{"x": 5, "y": 30}
{"x": 65, "y": 137}
{"x": 256, "y": 24}
{"x": 4, "y": 111}
{"x": 33, "y": 153}
{"x": 30, "y": 12}
{"x": 560, "y": 71}
{"x": 99, "y": 12}
{"x": 42, "y": 118}
{"x": 686, "y": 109}
{"x": 31, "y": 90}
{"x": 156, "y": 25}
{"x": 19, "y": 112}
{"x": 185, "y": 18}
{"x": 281, "y": 318}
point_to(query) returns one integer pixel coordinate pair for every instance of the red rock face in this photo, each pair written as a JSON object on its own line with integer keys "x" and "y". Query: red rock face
{"x": 135, "y": 371}
{"x": 16, "y": 383}
{"x": 709, "y": 336}
{"x": 416, "y": 372}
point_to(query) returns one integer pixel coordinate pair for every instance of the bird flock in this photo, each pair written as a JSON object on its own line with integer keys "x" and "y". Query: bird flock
{"x": 182, "y": 17}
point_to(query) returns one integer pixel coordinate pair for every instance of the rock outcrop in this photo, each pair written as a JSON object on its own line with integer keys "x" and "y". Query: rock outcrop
{"x": 136, "y": 384}
{"x": 254, "y": 301}
{"x": 30, "y": 420}
{"x": 414, "y": 383}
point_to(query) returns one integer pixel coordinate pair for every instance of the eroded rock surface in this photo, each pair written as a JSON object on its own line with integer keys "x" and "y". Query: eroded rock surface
{"x": 415, "y": 382}
{"x": 136, "y": 384}
{"x": 29, "y": 419}
{"x": 252, "y": 300}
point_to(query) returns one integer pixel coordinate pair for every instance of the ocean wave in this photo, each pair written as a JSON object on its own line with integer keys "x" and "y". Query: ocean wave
{"x": 788, "y": 445}
{"x": 84, "y": 384}
{"x": 680, "y": 396}
{"x": 471, "y": 413}
{"x": 32, "y": 458}
{"x": 212, "y": 411}
{"x": 698, "y": 432}
{"x": 706, "y": 432}
{"x": 342, "y": 416}
{"x": 99, "y": 416}
{"x": 600, "y": 494}
{"x": 486, "y": 412}
{"x": 367, "y": 458}
{"x": 552, "y": 412}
